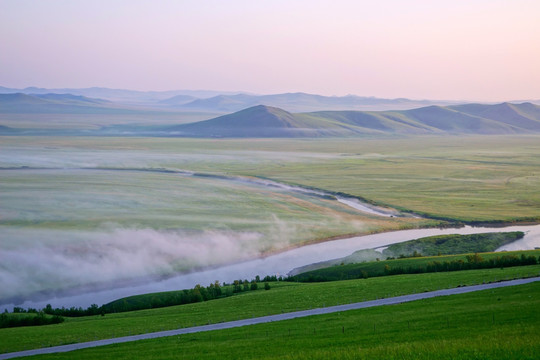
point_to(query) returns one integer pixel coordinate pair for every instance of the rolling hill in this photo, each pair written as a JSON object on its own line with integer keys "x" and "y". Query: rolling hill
{"x": 266, "y": 121}
{"x": 258, "y": 121}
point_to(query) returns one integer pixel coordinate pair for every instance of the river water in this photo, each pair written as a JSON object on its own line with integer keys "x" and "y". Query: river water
{"x": 279, "y": 264}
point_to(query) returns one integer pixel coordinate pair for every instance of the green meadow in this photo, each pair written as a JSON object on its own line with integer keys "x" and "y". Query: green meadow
{"x": 491, "y": 324}
{"x": 282, "y": 297}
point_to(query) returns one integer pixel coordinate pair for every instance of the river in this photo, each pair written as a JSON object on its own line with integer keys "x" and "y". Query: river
{"x": 280, "y": 264}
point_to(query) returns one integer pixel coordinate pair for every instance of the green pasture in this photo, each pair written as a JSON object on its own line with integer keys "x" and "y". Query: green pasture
{"x": 282, "y": 297}
{"x": 491, "y": 324}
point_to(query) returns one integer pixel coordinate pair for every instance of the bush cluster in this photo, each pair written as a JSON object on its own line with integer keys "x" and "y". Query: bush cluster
{"x": 39, "y": 318}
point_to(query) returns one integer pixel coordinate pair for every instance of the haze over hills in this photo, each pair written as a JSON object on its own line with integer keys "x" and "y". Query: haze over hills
{"x": 302, "y": 102}
{"x": 118, "y": 95}
{"x": 226, "y": 102}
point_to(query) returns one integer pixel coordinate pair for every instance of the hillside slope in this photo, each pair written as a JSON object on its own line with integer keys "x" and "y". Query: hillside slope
{"x": 266, "y": 121}
{"x": 260, "y": 121}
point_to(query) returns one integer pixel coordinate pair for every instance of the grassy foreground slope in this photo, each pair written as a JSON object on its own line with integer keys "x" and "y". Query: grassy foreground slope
{"x": 283, "y": 297}
{"x": 492, "y": 324}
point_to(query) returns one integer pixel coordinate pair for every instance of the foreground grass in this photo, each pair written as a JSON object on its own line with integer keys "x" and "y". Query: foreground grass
{"x": 283, "y": 297}
{"x": 491, "y": 324}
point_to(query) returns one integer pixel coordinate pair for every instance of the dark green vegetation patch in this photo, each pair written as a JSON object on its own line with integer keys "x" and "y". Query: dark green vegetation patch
{"x": 416, "y": 265}
{"x": 28, "y": 319}
{"x": 453, "y": 244}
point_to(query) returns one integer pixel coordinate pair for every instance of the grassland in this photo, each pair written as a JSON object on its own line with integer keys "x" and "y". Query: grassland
{"x": 52, "y": 199}
{"x": 493, "y": 324}
{"x": 283, "y": 297}
{"x": 474, "y": 179}
{"x": 467, "y": 178}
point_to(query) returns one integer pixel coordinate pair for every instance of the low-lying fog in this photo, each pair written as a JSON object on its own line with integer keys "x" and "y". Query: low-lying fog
{"x": 60, "y": 259}
{"x": 278, "y": 264}
{"x": 65, "y": 229}
{"x": 65, "y": 224}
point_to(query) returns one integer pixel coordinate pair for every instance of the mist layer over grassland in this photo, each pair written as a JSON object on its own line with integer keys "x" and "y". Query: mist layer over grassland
{"x": 65, "y": 226}
{"x": 75, "y": 214}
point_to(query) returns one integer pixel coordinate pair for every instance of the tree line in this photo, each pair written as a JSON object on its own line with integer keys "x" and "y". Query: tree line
{"x": 141, "y": 302}
{"x": 38, "y": 318}
{"x": 474, "y": 261}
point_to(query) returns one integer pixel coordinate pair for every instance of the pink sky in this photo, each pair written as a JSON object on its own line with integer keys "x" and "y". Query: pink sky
{"x": 464, "y": 50}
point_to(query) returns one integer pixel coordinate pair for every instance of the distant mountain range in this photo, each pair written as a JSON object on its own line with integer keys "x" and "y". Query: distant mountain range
{"x": 118, "y": 95}
{"x": 212, "y": 101}
{"x": 259, "y": 120}
{"x": 266, "y": 121}
{"x": 302, "y": 102}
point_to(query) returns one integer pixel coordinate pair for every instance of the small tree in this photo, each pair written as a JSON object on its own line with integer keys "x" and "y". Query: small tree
{"x": 474, "y": 259}
{"x": 266, "y": 286}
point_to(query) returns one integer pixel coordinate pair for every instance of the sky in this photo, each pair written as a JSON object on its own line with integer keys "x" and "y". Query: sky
{"x": 484, "y": 50}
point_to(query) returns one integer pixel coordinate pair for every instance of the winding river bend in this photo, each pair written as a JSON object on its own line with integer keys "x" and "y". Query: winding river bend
{"x": 281, "y": 264}
{"x": 277, "y": 264}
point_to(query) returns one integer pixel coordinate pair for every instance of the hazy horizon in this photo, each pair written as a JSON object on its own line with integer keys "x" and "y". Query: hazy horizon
{"x": 234, "y": 92}
{"x": 475, "y": 51}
